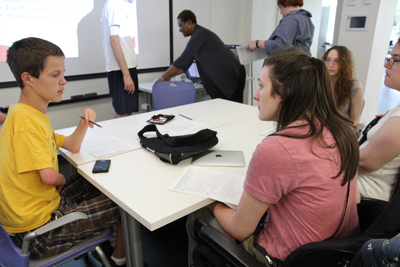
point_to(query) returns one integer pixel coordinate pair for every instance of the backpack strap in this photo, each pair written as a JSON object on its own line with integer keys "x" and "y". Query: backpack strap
{"x": 344, "y": 213}
{"x": 367, "y": 128}
{"x": 261, "y": 224}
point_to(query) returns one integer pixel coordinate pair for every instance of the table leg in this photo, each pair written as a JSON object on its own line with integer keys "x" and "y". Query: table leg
{"x": 133, "y": 240}
{"x": 150, "y": 102}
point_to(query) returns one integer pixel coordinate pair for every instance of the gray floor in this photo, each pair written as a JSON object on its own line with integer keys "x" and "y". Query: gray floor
{"x": 166, "y": 246}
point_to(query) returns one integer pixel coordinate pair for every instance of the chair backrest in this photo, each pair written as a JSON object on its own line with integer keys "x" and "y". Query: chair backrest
{"x": 386, "y": 225}
{"x": 396, "y": 187}
{"x": 173, "y": 93}
{"x": 10, "y": 254}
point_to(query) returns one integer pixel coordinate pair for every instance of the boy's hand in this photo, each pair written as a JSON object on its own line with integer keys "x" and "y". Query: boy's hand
{"x": 52, "y": 178}
{"x": 2, "y": 118}
{"x": 89, "y": 115}
{"x": 61, "y": 182}
{"x": 129, "y": 84}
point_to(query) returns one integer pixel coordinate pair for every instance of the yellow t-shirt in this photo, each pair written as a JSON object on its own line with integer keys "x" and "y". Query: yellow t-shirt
{"x": 27, "y": 144}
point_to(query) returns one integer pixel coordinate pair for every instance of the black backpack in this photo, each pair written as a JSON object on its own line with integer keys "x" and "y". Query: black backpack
{"x": 173, "y": 149}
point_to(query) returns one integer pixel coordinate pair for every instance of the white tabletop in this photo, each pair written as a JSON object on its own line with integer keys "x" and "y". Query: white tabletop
{"x": 138, "y": 181}
{"x": 211, "y": 113}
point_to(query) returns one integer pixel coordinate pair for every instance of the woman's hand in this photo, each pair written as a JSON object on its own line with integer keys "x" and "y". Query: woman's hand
{"x": 251, "y": 46}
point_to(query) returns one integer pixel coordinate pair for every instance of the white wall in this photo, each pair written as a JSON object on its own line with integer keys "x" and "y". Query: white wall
{"x": 368, "y": 47}
{"x": 229, "y": 19}
{"x": 315, "y": 7}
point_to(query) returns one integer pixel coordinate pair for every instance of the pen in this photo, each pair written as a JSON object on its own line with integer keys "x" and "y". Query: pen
{"x": 185, "y": 117}
{"x": 91, "y": 122}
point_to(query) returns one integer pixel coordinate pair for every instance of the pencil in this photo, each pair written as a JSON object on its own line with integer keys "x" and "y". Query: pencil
{"x": 91, "y": 122}
{"x": 185, "y": 117}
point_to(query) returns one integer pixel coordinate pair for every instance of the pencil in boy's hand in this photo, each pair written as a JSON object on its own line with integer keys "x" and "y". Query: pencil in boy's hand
{"x": 91, "y": 122}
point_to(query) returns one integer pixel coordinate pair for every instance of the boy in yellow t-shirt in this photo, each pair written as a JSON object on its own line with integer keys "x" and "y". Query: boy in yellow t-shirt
{"x": 32, "y": 191}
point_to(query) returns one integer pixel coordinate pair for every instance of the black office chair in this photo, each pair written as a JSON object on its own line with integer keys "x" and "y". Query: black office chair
{"x": 216, "y": 250}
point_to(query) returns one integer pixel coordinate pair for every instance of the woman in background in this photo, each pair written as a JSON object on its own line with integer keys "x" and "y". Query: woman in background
{"x": 295, "y": 29}
{"x": 348, "y": 91}
{"x": 301, "y": 173}
{"x": 220, "y": 71}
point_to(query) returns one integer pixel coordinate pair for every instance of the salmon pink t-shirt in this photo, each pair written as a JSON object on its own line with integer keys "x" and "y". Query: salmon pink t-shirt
{"x": 306, "y": 204}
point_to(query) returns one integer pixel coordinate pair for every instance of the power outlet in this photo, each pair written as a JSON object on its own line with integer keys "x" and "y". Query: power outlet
{"x": 351, "y": 2}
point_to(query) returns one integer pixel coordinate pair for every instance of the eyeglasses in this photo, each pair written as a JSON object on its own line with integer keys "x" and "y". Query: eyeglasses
{"x": 329, "y": 61}
{"x": 390, "y": 60}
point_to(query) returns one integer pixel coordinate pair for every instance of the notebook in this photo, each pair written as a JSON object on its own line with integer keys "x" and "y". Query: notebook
{"x": 219, "y": 158}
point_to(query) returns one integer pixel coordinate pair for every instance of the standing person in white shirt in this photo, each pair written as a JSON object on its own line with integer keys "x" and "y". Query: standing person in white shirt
{"x": 120, "y": 56}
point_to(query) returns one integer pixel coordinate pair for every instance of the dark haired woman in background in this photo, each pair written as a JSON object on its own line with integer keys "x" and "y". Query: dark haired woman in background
{"x": 348, "y": 91}
{"x": 219, "y": 68}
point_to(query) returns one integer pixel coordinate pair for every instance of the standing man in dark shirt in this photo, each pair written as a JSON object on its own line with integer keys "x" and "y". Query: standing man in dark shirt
{"x": 219, "y": 68}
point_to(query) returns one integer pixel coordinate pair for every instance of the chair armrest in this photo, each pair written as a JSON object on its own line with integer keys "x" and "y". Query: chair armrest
{"x": 50, "y": 226}
{"x": 228, "y": 249}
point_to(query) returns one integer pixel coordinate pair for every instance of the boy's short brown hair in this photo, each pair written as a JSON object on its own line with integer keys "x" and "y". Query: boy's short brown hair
{"x": 29, "y": 55}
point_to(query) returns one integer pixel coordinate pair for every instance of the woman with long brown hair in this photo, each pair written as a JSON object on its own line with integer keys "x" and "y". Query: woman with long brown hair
{"x": 347, "y": 90}
{"x": 302, "y": 173}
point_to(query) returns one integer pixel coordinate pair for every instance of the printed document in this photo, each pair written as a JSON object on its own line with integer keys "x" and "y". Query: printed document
{"x": 224, "y": 187}
{"x": 178, "y": 125}
{"x": 247, "y": 56}
{"x": 106, "y": 145}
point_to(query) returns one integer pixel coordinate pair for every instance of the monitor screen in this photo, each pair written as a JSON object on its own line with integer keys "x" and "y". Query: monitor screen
{"x": 193, "y": 73}
{"x": 358, "y": 22}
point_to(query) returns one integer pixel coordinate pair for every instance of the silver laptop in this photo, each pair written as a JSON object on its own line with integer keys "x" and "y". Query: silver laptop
{"x": 219, "y": 158}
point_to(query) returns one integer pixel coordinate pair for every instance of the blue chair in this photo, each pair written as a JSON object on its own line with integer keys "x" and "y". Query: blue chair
{"x": 13, "y": 256}
{"x": 173, "y": 93}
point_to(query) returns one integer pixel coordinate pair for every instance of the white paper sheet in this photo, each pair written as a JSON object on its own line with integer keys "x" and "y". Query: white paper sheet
{"x": 106, "y": 145}
{"x": 224, "y": 187}
{"x": 247, "y": 56}
{"x": 178, "y": 125}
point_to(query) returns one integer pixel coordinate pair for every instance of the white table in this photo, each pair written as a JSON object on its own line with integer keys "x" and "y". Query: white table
{"x": 138, "y": 182}
{"x": 140, "y": 175}
{"x": 212, "y": 113}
